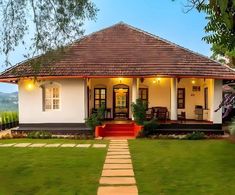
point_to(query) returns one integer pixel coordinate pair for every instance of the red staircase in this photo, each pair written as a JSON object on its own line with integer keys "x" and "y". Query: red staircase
{"x": 117, "y": 130}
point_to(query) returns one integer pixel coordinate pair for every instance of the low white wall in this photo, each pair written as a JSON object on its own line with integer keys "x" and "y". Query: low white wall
{"x": 71, "y": 110}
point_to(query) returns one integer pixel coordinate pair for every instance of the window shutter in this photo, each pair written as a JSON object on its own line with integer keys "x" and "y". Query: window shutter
{"x": 43, "y": 98}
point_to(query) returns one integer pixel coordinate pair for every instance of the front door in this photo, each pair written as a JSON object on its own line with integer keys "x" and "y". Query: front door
{"x": 121, "y": 101}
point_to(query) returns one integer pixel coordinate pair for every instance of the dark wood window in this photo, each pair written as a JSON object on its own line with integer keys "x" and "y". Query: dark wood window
{"x": 143, "y": 94}
{"x": 181, "y": 98}
{"x": 206, "y": 98}
{"x": 99, "y": 97}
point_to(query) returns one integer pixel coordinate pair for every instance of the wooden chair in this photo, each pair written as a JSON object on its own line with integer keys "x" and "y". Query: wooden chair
{"x": 149, "y": 114}
{"x": 182, "y": 117}
{"x": 162, "y": 113}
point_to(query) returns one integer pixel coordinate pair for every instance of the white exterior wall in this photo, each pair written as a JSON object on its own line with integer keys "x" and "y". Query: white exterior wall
{"x": 216, "y": 99}
{"x": 72, "y": 103}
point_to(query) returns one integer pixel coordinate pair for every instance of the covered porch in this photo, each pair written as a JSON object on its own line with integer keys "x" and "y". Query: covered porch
{"x": 171, "y": 100}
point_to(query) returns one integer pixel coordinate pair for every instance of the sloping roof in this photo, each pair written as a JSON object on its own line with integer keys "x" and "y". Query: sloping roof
{"x": 124, "y": 51}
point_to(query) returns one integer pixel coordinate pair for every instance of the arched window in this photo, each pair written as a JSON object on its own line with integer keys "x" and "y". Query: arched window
{"x": 51, "y": 97}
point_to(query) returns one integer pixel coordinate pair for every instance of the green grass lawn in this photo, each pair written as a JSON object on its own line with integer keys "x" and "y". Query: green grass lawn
{"x": 184, "y": 167}
{"x": 29, "y": 171}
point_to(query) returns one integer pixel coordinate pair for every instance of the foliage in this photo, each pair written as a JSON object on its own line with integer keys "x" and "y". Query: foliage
{"x": 150, "y": 128}
{"x": 54, "y": 23}
{"x": 96, "y": 118}
{"x": 139, "y": 111}
{"x": 39, "y": 135}
{"x": 196, "y": 135}
{"x": 220, "y": 28}
{"x": 8, "y": 117}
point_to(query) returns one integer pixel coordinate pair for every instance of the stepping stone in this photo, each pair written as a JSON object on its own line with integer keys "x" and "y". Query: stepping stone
{"x": 23, "y": 145}
{"x": 118, "y": 140}
{"x": 117, "y": 161}
{"x": 118, "y": 172}
{"x": 117, "y": 153}
{"x": 7, "y": 145}
{"x": 118, "y": 149}
{"x": 118, "y": 156}
{"x": 118, "y": 144}
{"x": 117, "y": 190}
{"x": 52, "y": 145}
{"x": 117, "y": 180}
{"x": 118, "y": 166}
{"x": 37, "y": 145}
{"x": 83, "y": 145}
{"x": 67, "y": 145}
{"x": 99, "y": 146}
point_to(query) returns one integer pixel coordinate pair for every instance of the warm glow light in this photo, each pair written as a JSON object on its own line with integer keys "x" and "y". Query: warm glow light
{"x": 157, "y": 80}
{"x": 29, "y": 85}
{"x": 120, "y": 80}
{"x": 193, "y": 81}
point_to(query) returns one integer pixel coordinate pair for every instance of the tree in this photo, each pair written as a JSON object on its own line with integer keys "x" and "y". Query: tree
{"x": 55, "y": 23}
{"x": 220, "y": 28}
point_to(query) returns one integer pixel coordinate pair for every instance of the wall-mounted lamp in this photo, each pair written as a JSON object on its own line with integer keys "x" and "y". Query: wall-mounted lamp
{"x": 193, "y": 81}
{"x": 157, "y": 80}
{"x": 29, "y": 85}
{"x": 120, "y": 80}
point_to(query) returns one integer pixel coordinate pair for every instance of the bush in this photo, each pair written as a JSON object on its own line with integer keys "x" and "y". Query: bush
{"x": 7, "y": 136}
{"x": 196, "y": 135}
{"x": 139, "y": 111}
{"x": 150, "y": 128}
{"x": 96, "y": 118}
{"x": 39, "y": 135}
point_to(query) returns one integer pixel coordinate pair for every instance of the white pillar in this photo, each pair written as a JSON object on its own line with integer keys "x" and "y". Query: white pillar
{"x": 135, "y": 90}
{"x": 85, "y": 98}
{"x": 173, "y": 113}
{"x": 216, "y": 99}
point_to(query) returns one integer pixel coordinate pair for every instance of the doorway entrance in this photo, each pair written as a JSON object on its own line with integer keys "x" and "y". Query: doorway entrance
{"x": 121, "y": 101}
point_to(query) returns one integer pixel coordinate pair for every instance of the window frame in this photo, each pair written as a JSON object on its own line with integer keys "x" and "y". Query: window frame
{"x": 183, "y": 98}
{"x": 141, "y": 89}
{"x": 52, "y": 98}
{"x": 99, "y": 99}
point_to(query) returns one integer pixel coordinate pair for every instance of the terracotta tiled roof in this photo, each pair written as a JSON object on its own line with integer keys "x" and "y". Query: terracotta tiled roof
{"x": 122, "y": 50}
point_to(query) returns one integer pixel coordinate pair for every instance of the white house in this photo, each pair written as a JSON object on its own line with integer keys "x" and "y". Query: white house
{"x": 114, "y": 67}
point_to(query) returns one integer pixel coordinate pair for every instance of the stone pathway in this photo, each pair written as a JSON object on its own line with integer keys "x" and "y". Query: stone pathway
{"x": 56, "y": 145}
{"x": 118, "y": 175}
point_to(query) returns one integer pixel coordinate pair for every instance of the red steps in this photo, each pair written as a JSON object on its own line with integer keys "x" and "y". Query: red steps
{"x": 117, "y": 130}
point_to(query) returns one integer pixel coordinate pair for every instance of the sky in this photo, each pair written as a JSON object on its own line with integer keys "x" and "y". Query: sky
{"x": 163, "y": 18}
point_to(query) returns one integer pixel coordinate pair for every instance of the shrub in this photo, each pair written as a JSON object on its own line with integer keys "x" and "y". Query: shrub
{"x": 196, "y": 135}
{"x": 150, "y": 128}
{"x": 7, "y": 136}
{"x": 96, "y": 118}
{"x": 39, "y": 135}
{"x": 139, "y": 111}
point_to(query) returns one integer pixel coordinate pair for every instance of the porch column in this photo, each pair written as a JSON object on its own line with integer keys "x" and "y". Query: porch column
{"x": 85, "y": 97}
{"x": 173, "y": 114}
{"x": 216, "y": 99}
{"x": 135, "y": 91}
